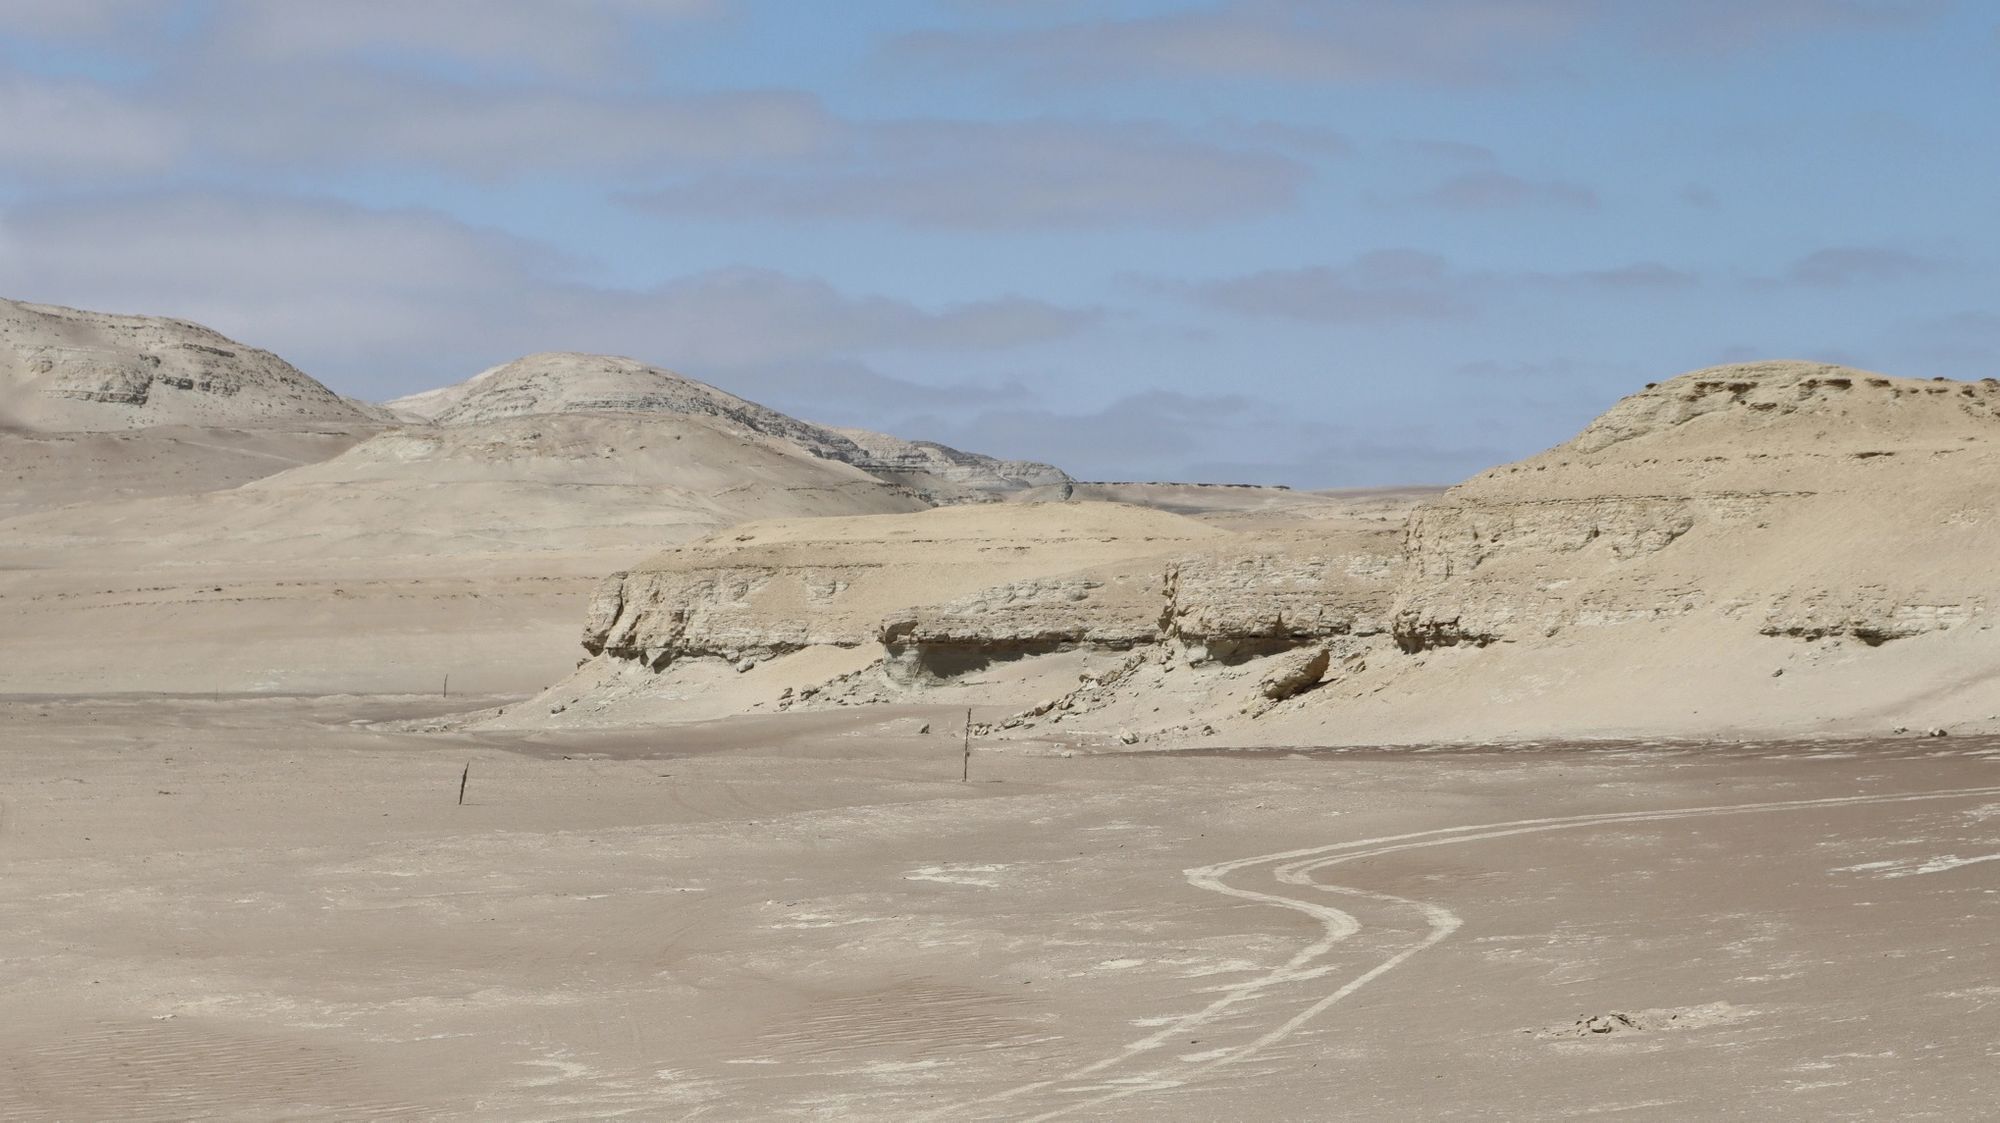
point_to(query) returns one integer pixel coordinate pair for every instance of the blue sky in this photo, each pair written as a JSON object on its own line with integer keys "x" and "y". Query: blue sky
{"x": 1329, "y": 243}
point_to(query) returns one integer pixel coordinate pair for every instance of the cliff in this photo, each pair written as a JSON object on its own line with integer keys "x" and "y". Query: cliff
{"x": 1779, "y": 547}
{"x": 764, "y": 589}
{"x": 1787, "y": 498}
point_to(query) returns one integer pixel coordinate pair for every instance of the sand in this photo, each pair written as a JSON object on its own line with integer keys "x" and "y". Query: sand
{"x": 237, "y": 879}
{"x": 469, "y": 551}
{"x": 256, "y": 908}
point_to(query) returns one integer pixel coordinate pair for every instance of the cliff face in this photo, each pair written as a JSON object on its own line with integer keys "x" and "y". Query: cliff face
{"x": 940, "y": 595}
{"x": 765, "y": 589}
{"x": 1113, "y": 608}
{"x": 1772, "y": 546}
{"x": 1254, "y": 600}
{"x": 1784, "y": 496}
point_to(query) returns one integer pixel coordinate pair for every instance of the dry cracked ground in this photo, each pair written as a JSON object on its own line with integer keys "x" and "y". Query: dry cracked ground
{"x": 260, "y": 908}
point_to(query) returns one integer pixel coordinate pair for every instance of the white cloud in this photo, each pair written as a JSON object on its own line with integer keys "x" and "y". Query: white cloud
{"x": 982, "y": 175}
{"x": 354, "y": 294}
{"x": 1453, "y": 41}
{"x": 1402, "y": 285}
{"x": 1440, "y": 42}
{"x": 573, "y": 36}
{"x": 1842, "y": 266}
{"x": 51, "y": 129}
{"x": 1496, "y": 190}
{"x": 332, "y": 117}
{"x": 1166, "y": 436}
{"x": 1382, "y": 286}
{"x": 70, "y": 19}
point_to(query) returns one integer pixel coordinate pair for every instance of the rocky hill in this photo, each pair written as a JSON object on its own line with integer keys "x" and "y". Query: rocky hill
{"x": 64, "y": 370}
{"x": 232, "y": 524}
{"x": 1795, "y": 499}
{"x": 951, "y": 475}
{"x": 564, "y": 382}
{"x": 1779, "y": 547}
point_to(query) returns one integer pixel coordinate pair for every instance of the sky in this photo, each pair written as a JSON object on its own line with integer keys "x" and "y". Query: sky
{"x": 1324, "y": 243}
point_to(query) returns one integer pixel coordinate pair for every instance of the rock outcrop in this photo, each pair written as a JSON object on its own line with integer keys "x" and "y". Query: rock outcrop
{"x": 1784, "y": 496}
{"x": 1280, "y": 592}
{"x": 65, "y": 370}
{"x": 939, "y": 597}
{"x": 1114, "y": 608}
{"x": 558, "y": 382}
{"x": 948, "y": 475}
{"x": 765, "y": 589}
{"x": 1771, "y": 546}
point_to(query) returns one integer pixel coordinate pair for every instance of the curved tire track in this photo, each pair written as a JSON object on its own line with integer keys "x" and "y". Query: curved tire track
{"x": 1294, "y": 986}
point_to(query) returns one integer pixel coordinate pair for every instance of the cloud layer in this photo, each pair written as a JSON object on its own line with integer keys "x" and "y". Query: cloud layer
{"x": 1318, "y": 241}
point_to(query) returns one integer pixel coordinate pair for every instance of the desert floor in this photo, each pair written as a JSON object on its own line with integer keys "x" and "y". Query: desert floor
{"x": 264, "y": 907}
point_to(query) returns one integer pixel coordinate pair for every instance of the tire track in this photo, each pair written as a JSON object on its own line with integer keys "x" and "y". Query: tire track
{"x": 1095, "y": 1084}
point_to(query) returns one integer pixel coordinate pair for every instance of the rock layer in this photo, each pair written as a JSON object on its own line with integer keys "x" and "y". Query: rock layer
{"x": 950, "y": 475}
{"x": 65, "y": 370}
{"x": 555, "y": 383}
{"x": 1785, "y": 496}
{"x": 764, "y": 589}
{"x": 1769, "y": 546}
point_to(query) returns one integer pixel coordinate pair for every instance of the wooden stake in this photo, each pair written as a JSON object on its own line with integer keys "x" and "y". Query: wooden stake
{"x": 462, "y": 778}
{"x": 447, "y": 686}
{"x": 965, "y": 765}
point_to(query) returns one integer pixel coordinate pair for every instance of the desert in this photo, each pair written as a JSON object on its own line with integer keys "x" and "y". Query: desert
{"x": 979, "y": 560}
{"x": 798, "y": 782}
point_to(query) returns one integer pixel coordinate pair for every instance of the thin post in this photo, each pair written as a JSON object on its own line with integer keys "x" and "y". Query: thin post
{"x": 965, "y": 763}
{"x": 462, "y": 778}
{"x": 447, "y": 685}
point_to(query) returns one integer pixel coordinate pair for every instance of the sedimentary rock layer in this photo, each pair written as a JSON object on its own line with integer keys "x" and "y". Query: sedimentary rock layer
{"x": 767, "y": 588}
{"x": 566, "y": 383}
{"x": 65, "y": 370}
{"x": 1796, "y": 498}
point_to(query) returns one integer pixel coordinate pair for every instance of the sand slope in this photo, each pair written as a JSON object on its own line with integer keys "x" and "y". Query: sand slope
{"x": 43, "y": 470}
{"x": 383, "y": 568}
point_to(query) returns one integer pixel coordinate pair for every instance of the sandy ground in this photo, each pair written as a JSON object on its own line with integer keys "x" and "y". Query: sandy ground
{"x": 252, "y": 908}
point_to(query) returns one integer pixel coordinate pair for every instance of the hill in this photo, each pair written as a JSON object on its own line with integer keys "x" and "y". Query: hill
{"x": 567, "y": 382}
{"x": 1771, "y": 548}
{"x": 418, "y": 552}
{"x": 65, "y": 370}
